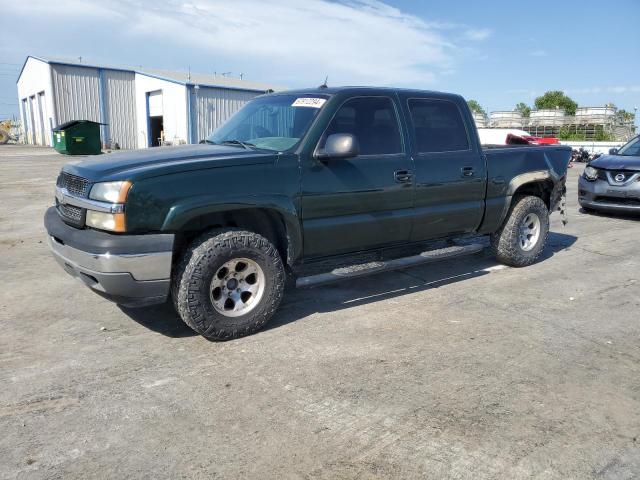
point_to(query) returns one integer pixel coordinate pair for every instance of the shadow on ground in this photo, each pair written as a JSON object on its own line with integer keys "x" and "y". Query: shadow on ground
{"x": 612, "y": 214}
{"x": 299, "y": 304}
{"x": 160, "y": 318}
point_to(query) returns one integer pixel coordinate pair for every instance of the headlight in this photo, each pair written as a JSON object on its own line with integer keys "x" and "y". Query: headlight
{"x": 113, "y": 222}
{"x": 590, "y": 173}
{"x": 112, "y": 192}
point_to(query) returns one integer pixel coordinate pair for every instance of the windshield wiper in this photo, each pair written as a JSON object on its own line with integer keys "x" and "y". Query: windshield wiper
{"x": 207, "y": 141}
{"x": 246, "y": 145}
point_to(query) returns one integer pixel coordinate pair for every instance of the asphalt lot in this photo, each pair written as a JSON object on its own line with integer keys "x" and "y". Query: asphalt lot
{"x": 462, "y": 369}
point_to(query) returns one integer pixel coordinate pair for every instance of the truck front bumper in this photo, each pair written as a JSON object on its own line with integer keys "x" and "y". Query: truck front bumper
{"x": 131, "y": 270}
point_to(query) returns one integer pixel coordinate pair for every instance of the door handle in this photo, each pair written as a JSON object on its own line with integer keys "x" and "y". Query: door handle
{"x": 467, "y": 171}
{"x": 403, "y": 176}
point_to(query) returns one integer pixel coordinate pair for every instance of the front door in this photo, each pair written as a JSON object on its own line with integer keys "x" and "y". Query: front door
{"x": 450, "y": 171}
{"x": 363, "y": 202}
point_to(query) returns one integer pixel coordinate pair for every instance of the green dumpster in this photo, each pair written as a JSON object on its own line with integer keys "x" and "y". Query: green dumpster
{"x": 77, "y": 137}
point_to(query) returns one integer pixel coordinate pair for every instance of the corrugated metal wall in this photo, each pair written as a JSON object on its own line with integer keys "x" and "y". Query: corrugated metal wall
{"x": 212, "y": 106}
{"x": 77, "y": 93}
{"x": 120, "y": 107}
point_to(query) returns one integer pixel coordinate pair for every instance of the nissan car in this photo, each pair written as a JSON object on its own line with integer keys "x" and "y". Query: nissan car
{"x": 612, "y": 182}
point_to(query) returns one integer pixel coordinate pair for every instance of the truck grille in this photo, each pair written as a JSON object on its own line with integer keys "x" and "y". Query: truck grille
{"x": 75, "y": 185}
{"x": 71, "y": 214}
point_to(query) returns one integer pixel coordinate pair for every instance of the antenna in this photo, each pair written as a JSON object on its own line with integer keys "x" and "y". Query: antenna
{"x": 189, "y": 76}
{"x": 324, "y": 85}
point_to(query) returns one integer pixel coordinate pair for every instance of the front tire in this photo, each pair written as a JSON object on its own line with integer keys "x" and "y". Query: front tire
{"x": 523, "y": 236}
{"x": 228, "y": 284}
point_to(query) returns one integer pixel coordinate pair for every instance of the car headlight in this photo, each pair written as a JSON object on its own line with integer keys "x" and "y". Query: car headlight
{"x": 112, "y": 192}
{"x": 113, "y": 222}
{"x": 590, "y": 173}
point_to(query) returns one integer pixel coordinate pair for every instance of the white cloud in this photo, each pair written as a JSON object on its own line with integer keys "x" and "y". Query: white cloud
{"x": 608, "y": 89}
{"x": 478, "y": 35}
{"x": 538, "y": 53}
{"x": 293, "y": 42}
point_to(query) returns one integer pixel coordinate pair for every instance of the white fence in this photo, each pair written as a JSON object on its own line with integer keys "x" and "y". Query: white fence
{"x": 593, "y": 147}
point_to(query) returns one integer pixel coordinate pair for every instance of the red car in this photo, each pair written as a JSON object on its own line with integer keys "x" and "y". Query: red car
{"x": 512, "y": 136}
{"x": 531, "y": 140}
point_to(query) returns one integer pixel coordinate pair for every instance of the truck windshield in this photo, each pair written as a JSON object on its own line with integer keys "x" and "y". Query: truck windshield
{"x": 631, "y": 149}
{"x": 271, "y": 122}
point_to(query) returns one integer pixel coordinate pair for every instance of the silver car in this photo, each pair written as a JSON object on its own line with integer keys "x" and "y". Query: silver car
{"x": 612, "y": 182}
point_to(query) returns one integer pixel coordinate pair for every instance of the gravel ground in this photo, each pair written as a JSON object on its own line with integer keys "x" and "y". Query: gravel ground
{"x": 464, "y": 369}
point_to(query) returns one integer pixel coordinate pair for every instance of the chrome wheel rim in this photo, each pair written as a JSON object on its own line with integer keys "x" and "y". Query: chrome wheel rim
{"x": 529, "y": 231}
{"x": 237, "y": 287}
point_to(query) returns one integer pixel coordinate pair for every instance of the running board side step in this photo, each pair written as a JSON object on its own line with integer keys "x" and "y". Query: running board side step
{"x": 354, "y": 271}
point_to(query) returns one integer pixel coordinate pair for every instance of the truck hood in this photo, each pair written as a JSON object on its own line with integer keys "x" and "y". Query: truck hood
{"x": 135, "y": 164}
{"x": 617, "y": 162}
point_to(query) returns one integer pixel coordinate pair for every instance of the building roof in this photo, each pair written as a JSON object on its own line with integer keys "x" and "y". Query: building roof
{"x": 184, "y": 78}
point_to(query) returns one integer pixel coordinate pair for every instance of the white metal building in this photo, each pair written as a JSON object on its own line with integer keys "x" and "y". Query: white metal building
{"x": 138, "y": 107}
{"x": 480, "y": 119}
{"x": 506, "y": 119}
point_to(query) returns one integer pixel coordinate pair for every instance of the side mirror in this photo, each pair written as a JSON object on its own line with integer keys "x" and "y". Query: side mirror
{"x": 613, "y": 151}
{"x": 339, "y": 145}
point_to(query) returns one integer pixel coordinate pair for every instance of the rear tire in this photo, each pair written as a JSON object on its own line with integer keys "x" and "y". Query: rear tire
{"x": 523, "y": 236}
{"x": 228, "y": 284}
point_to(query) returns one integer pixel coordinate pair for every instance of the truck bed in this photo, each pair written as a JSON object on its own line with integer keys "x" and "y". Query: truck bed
{"x": 510, "y": 161}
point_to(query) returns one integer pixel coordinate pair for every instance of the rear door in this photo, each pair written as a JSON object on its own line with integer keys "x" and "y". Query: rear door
{"x": 363, "y": 202}
{"x": 450, "y": 171}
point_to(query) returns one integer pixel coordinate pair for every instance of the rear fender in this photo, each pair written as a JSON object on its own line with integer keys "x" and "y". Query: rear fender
{"x": 498, "y": 206}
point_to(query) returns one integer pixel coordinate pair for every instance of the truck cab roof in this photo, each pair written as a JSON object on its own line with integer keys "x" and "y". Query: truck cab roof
{"x": 365, "y": 90}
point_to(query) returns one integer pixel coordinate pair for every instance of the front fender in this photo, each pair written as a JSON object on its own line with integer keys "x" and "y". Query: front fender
{"x": 182, "y": 213}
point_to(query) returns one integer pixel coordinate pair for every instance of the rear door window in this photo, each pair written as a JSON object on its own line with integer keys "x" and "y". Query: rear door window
{"x": 437, "y": 126}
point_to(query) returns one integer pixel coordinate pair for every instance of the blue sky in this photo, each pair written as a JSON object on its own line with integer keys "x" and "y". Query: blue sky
{"x": 498, "y": 52}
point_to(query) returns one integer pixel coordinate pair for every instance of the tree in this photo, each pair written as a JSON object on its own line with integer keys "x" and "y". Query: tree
{"x": 626, "y": 116}
{"x": 524, "y": 109}
{"x": 602, "y": 136}
{"x": 475, "y": 107}
{"x": 556, "y": 98}
{"x": 566, "y": 133}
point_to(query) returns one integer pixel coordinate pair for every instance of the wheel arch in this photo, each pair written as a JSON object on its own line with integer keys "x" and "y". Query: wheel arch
{"x": 538, "y": 183}
{"x": 275, "y": 219}
{"x": 535, "y": 185}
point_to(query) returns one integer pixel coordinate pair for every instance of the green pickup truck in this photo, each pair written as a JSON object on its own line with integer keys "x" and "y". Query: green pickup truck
{"x": 292, "y": 180}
